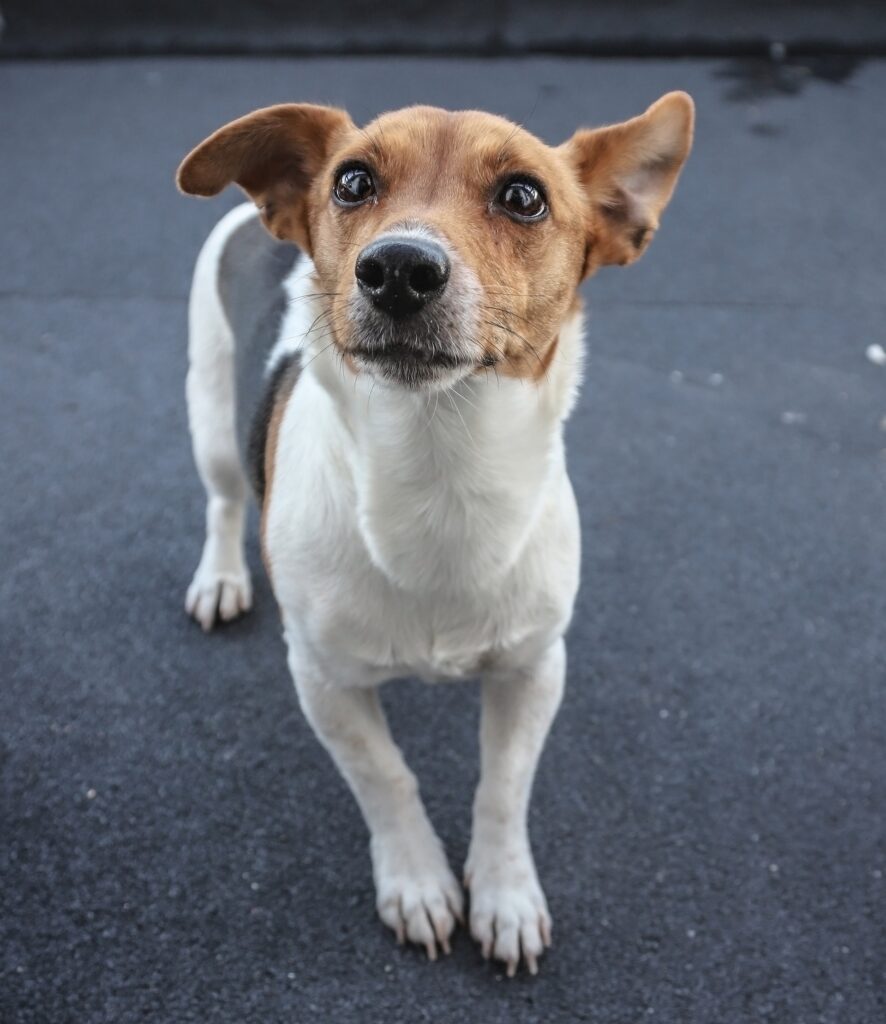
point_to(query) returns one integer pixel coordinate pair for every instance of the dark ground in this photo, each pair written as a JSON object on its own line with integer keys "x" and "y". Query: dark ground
{"x": 710, "y": 814}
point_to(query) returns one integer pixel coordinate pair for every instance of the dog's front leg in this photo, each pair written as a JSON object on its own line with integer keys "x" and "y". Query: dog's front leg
{"x": 416, "y": 893}
{"x": 509, "y": 912}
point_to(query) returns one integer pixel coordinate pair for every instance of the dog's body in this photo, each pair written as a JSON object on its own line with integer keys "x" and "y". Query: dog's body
{"x": 417, "y": 517}
{"x": 442, "y": 591}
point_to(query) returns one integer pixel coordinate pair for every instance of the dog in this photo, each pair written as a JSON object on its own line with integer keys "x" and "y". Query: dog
{"x": 385, "y": 344}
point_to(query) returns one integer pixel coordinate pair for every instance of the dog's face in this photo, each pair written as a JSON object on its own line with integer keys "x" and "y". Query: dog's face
{"x": 448, "y": 243}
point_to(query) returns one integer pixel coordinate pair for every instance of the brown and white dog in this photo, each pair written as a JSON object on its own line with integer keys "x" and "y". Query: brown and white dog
{"x": 398, "y": 379}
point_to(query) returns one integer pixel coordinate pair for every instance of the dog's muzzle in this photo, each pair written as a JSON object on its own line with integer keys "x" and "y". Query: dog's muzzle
{"x": 408, "y": 325}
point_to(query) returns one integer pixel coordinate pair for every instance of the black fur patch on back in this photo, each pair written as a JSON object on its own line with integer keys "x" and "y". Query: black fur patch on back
{"x": 252, "y": 271}
{"x": 278, "y": 386}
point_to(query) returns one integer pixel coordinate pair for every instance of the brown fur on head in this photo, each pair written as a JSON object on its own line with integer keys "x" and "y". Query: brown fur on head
{"x": 440, "y": 173}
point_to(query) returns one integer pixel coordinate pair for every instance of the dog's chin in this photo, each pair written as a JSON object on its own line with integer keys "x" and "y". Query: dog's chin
{"x": 409, "y": 373}
{"x": 414, "y": 367}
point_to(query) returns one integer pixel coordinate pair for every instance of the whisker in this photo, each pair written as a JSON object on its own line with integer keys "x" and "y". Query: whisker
{"x": 508, "y": 360}
{"x": 436, "y": 403}
{"x": 316, "y": 355}
{"x": 512, "y": 291}
{"x": 500, "y": 350}
{"x": 430, "y": 420}
{"x": 332, "y": 323}
{"x": 458, "y": 413}
{"x": 464, "y": 398}
{"x": 505, "y": 310}
{"x": 310, "y": 295}
{"x": 517, "y": 334}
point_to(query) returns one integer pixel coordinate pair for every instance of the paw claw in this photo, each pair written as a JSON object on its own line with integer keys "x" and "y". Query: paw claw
{"x": 417, "y": 895}
{"x": 214, "y": 596}
{"x": 509, "y": 915}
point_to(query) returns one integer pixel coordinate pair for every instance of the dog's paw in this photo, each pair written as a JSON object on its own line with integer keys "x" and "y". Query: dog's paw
{"x": 417, "y": 894}
{"x": 215, "y": 595}
{"x": 509, "y": 913}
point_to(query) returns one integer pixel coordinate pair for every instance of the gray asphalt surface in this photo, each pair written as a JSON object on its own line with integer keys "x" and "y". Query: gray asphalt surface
{"x": 710, "y": 814}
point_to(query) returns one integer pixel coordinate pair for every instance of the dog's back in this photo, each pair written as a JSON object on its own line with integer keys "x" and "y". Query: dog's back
{"x": 239, "y": 280}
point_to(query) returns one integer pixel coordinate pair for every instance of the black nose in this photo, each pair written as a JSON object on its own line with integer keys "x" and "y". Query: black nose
{"x": 400, "y": 274}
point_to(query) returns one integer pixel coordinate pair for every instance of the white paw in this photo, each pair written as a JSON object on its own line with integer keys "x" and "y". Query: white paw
{"x": 417, "y": 894}
{"x": 509, "y": 913}
{"x": 216, "y": 595}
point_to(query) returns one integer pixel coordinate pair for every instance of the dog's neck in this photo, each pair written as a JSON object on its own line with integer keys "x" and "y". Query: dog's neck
{"x": 449, "y": 483}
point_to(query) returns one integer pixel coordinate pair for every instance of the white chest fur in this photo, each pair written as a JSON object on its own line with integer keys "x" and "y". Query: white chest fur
{"x": 419, "y": 535}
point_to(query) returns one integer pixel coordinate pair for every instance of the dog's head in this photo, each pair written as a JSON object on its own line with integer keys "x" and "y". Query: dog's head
{"x": 446, "y": 243}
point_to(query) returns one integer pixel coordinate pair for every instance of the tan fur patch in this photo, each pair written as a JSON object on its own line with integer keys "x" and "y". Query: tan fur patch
{"x": 273, "y": 154}
{"x": 629, "y": 172}
{"x": 443, "y": 170}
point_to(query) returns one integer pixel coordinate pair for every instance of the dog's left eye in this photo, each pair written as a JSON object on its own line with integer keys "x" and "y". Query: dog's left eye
{"x": 353, "y": 185}
{"x": 522, "y": 199}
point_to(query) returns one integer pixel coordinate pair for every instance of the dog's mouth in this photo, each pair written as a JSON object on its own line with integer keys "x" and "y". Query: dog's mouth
{"x": 396, "y": 353}
{"x": 403, "y": 364}
{"x": 409, "y": 358}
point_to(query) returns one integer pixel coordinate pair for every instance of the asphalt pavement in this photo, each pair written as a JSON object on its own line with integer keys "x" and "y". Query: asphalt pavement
{"x": 709, "y": 818}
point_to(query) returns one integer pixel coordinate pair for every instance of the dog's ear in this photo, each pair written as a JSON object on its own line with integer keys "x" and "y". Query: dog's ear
{"x": 628, "y": 172}
{"x": 273, "y": 155}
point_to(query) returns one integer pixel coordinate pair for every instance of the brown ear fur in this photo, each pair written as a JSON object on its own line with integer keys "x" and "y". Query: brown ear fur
{"x": 273, "y": 154}
{"x": 629, "y": 172}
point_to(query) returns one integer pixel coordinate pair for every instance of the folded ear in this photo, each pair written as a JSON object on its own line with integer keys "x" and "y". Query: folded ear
{"x": 273, "y": 155}
{"x": 628, "y": 172}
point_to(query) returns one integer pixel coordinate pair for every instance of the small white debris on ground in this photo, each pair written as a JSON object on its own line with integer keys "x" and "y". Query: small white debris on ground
{"x": 876, "y": 354}
{"x": 676, "y": 377}
{"x": 91, "y": 794}
{"x": 791, "y": 418}
{"x": 715, "y": 380}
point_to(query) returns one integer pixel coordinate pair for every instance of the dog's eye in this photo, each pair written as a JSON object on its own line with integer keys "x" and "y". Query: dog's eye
{"x": 353, "y": 185}
{"x": 522, "y": 199}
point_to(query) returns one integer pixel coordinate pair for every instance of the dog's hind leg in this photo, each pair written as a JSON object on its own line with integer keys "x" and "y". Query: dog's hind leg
{"x": 221, "y": 588}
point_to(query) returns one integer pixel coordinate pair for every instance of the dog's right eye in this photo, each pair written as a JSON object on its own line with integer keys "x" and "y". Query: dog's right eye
{"x": 353, "y": 185}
